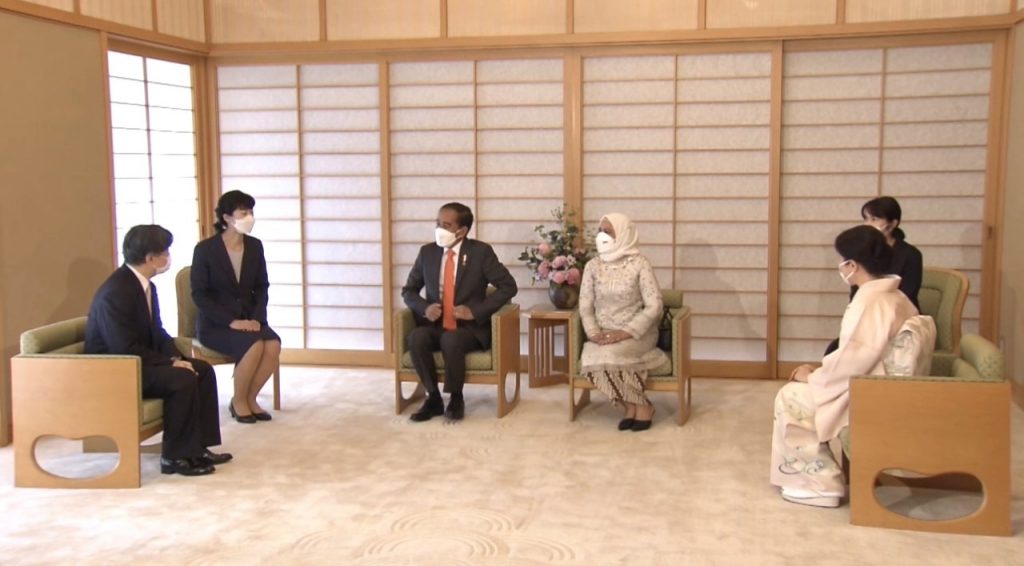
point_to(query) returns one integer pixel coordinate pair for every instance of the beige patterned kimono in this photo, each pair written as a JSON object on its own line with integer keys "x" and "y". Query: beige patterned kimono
{"x": 621, "y": 295}
{"x": 808, "y": 415}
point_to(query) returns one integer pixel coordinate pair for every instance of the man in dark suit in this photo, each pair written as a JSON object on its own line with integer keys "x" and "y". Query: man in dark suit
{"x": 454, "y": 322}
{"x": 124, "y": 319}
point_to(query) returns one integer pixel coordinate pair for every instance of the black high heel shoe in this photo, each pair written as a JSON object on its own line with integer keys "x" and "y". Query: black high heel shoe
{"x": 263, "y": 416}
{"x": 246, "y": 419}
{"x": 626, "y": 424}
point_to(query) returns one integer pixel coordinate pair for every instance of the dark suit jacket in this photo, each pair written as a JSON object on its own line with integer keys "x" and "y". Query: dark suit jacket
{"x": 908, "y": 263}
{"x": 119, "y": 322}
{"x": 478, "y": 268}
{"x": 220, "y": 297}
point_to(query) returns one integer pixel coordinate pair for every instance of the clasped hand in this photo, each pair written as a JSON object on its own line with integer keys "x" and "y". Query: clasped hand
{"x": 604, "y": 338}
{"x": 434, "y": 311}
{"x": 246, "y": 325}
{"x": 801, "y": 373}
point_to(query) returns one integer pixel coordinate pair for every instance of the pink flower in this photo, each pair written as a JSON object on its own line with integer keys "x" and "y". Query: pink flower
{"x": 544, "y": 248}
{"x": 572, "y": 277}
{"x": 558, "y": 277}
{"x": 543, "y": 269}
{"x": 559, "y": 262}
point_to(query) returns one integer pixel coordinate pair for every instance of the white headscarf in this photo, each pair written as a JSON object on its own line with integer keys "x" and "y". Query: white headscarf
{"x": 626, "y": 238}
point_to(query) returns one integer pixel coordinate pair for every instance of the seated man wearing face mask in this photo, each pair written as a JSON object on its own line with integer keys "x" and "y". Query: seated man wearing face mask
{"x": 454, "y": 317}
{"x": 124, "y": 319}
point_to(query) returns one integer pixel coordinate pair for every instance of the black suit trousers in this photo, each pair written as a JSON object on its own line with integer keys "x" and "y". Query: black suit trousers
{"x": 423, "y": 341}
{"x": 191, "y": 420}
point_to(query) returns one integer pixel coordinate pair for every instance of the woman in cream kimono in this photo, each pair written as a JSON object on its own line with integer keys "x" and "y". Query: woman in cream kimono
{"x": 814, "y": 407}
{"x": 620, "y": 305}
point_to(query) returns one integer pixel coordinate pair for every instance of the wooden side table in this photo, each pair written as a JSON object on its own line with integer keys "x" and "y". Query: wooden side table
{"x": 545, "y": 365}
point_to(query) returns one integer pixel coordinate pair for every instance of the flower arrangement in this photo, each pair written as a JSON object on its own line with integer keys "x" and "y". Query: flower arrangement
{"x": 560, "y": 256}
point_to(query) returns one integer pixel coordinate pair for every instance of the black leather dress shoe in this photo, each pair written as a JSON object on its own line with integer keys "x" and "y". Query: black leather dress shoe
{"x": 432, "y": 407}
{"x": 626, "y": 424}
{"x": 456, "y": 409}
{"x": 213, "y": 459}
{"x": 244, "y": 419}
{"x": 263, "y": 416}
{"x": 185, "y": 467}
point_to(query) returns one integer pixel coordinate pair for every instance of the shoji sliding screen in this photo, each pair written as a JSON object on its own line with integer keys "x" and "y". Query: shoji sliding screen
{"x": 305, "y": 141}
{"x": 907, "y": 122}
{"x": 485, "y": 133}
{"x": 681, "y": 145}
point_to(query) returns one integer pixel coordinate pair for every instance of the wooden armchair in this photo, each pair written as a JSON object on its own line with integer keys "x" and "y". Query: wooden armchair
{"x": 948, "y": 430}
{"x": 187, "y": 315}
{"x": 485, "y": 367}
{"x": 673, "y": 376}
{"x": 58, "y": 390}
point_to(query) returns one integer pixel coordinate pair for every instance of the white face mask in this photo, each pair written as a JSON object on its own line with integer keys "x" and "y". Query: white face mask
{"x": 165, "y": 267}
{"x": 604, "y": 242}
{"x": 444, "y": 238}
{"x": 244, "y": 225}
{"x": 846, "y": 276}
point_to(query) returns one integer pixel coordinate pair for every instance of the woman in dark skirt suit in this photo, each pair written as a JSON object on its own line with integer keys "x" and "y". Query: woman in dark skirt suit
{"x": 229, "y": 287}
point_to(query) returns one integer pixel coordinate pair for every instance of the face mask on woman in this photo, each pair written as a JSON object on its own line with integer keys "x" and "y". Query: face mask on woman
{"x": 604, "y": 242}
{"x": 846, "y": 276}
{"x": 244, "y": 225}
{"x": 443, "y": 238}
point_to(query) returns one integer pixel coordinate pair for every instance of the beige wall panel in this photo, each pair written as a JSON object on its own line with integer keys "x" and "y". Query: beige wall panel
{"x": 1012, "y": 276}
{"x": 861, "y": 184}
{"x": 635, "y": 15}
{"x": 926, "y": 184}
{"x": 135, "y": 13}
{"x": 887, "y": 10}
{"x": 383, "y": 19}
{"x": 252, "y": 21}
{"x": 482, "y": 18}
{"x": 817, "y": 63}
{"x": 50, "y": 270}
{"x": 182, "y": 18}
{"x": 736, "y": 186}
{"x": 614, "y": 186}
{"x": 747, "y": 13}
{"x": 68, "y": 5}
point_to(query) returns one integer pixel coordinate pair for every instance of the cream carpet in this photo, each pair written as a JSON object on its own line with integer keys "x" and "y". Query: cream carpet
{"x": 337, "y": 478}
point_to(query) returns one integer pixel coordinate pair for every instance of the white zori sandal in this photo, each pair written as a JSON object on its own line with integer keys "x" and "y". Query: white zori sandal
{"x": 811, "y": 497}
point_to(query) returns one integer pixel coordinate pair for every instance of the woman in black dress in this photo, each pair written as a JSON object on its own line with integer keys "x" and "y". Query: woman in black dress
{"x": 229, "y": 287}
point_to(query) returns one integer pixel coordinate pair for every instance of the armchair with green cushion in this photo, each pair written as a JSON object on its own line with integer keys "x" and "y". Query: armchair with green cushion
{"x": 672, "y": 376}
{"x": 487, "y": 367}
{"x": 942, "y": 297}
{"x": 57, "y": 389}
{"x": 943, "y": 428}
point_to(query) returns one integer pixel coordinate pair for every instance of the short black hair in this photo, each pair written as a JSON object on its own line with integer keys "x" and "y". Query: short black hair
{"x": 230, "y": 202}
{"x": 887, "y": 208}
{"x": 463, "y": 215}
{"x": 866, "y": 246}
{"x": 143, "y": 240}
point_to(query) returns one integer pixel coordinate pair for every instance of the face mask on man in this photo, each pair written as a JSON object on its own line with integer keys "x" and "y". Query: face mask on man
{"x": 605, "y": 242}
{"x": 443, "y": 238}
{"x": 165, "y": 267}
{"x": 846, "y": 276}
{"x": 244, "y": 225}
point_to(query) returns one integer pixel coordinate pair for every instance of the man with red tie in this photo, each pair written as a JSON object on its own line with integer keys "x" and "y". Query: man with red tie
{"x": 455, "y": 316}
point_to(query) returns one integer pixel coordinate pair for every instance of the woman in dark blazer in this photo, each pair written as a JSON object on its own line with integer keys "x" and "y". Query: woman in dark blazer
{"x": 229, "y": 287}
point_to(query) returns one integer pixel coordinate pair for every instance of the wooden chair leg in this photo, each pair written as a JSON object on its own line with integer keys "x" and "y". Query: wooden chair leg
{"x": 574, "y": 406}
{"x": 505, "y": 405}
{"x": 401, "y": 401}
{"x": 683, "y": 414}
{"x": 277, "y": 387}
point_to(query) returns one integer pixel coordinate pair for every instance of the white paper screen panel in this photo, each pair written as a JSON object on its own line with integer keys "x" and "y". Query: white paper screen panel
{"x": 681, "y": 145}
{"x": 154, "y": 157}
{"x": 305, "y": 142}
{"x": 488, "y": 134}
{"x": 904, "y": 122}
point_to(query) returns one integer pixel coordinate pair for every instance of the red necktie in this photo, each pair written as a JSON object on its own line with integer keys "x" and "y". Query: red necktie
{"x": 448, "y": 301}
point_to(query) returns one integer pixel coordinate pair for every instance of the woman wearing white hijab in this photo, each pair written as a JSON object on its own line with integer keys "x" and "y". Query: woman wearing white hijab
{"x": 620, "y": 305}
